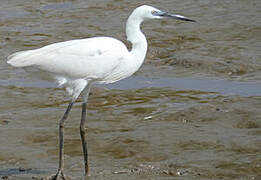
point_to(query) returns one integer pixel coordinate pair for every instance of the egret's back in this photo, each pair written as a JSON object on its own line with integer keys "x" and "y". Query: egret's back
{"x": 76, "y": 58}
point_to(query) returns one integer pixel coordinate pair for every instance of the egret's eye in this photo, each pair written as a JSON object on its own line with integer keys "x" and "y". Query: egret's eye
{"x": 153, "y": 12}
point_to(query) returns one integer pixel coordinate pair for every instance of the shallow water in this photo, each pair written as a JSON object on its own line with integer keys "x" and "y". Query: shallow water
{"x": 191, "y": 112}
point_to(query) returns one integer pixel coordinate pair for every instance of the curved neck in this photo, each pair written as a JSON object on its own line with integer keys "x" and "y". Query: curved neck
{"x": 137, "y": 39}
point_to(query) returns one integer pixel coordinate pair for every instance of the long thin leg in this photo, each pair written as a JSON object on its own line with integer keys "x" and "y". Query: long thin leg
{"x": 60, "y": 175}
{"x": 83, "y": 131}
{"x": 61, "y": 137}
{"x": 83, "y": 138}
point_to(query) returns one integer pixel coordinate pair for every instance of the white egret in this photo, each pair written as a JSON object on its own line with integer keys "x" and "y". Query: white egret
{"x": 77, "y": 64}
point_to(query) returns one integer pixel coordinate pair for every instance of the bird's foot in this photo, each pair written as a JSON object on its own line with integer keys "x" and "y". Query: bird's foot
{"x": 58, "y": 176}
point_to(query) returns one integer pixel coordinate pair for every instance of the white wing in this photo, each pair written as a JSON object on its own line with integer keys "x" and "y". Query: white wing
{"x": 85, "y": 58}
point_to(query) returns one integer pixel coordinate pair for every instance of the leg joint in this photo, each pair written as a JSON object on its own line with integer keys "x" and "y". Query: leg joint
{"x": 82, "y": 129}
{"x": 61, "y": 126}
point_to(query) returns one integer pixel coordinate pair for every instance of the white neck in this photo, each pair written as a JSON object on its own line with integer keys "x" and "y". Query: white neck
{"x": 137, "y": 38}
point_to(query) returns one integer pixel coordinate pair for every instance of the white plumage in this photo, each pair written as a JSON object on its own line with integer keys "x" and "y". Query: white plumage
{"x": 77, "y": 64}
{"x": 99, "y": 59}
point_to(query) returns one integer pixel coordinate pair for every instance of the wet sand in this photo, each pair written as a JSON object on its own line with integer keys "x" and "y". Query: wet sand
{"x": 191, "y": 112}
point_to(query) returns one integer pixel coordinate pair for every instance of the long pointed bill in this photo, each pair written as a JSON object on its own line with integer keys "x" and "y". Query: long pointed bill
{"x": 175, "y": 16}
{"x": 179, "y": 17}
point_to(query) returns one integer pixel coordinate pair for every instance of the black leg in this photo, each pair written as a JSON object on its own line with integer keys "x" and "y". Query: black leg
{"x": 83, "y": 138}
{"x": 83, "y": 130}
{"x": 61, "y": 136}
{"x": 60, "y": 175}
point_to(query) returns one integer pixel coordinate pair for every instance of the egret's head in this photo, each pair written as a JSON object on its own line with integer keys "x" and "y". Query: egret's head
{"x": 149, "y": 12}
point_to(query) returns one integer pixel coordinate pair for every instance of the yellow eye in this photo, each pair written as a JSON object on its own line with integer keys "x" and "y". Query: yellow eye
{"x": 153, "y": 12}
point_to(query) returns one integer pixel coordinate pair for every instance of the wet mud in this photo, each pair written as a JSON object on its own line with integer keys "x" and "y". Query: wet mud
{"x": 191, "y": 112}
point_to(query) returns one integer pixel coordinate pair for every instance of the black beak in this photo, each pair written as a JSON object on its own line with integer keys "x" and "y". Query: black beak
{"x": 175, "y": 16}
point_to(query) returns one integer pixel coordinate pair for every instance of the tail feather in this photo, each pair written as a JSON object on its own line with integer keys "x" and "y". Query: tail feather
{"x": 20, "y": 59}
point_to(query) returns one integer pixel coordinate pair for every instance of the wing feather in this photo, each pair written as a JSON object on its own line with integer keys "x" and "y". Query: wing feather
{"x": 92, "y": 57}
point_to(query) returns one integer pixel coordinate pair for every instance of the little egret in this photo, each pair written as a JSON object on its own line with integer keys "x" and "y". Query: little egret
{"x": 77, "y": 64}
